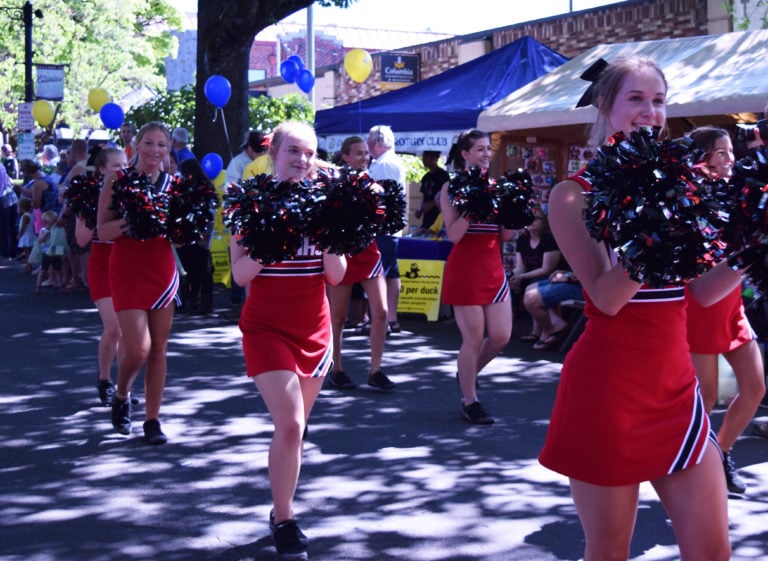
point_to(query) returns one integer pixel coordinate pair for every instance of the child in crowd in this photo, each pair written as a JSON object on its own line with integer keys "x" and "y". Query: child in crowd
{"x": 26, "y": 235}
{"x": 53, "y": 245}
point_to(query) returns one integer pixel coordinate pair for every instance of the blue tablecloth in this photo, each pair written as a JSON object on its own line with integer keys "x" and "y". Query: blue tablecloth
{"x": 420, "y": 248}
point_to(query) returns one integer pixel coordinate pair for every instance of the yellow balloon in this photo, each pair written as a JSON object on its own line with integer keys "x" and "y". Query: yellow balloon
{"x": 97, "y": 98}
{"x": 42, "y": 111}
{"x": 219, "y": 181}
{"x": 358, "y": 64}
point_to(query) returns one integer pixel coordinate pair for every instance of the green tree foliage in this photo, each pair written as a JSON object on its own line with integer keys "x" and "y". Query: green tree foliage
{"x": 266, "y": 113}
{"x": 174, "y": 109}
{"x": 743, "y": 17}
{"x": 226, "y": 29}
{"x": 177, "y": 109}
{"x": 118, "y": 46}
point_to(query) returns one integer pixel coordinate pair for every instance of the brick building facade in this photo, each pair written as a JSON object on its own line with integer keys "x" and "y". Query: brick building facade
{"x": 569, "y": 34}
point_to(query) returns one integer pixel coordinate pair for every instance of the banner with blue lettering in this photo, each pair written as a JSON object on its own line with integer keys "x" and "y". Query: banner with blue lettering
{"x": 405, "y": 142}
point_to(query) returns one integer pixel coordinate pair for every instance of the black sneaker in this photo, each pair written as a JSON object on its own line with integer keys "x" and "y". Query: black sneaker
{"x": 732, "y": 478}
{"x": 341, "y": 380}
{"x": 379, "y": 380}
{"x": 153, "y": 433}
{"x": 475, "y": 413}
{"x": 760, "y": 429}
{"x": 121, "y": 415}
{"x": 106, "y": 391}
{"x": 290, "y": 542}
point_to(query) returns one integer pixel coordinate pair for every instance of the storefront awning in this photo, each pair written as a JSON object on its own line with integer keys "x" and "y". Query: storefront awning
{"x": 708, "y": 75}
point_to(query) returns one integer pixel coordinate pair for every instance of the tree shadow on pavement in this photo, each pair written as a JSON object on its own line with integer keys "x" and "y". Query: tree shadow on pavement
{"x": 385, "y": 476}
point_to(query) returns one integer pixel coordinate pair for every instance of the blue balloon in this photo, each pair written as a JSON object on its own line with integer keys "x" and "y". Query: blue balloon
{"x": 212, "y": 165}
{"x": 289, "y": 70}
{"x": 297, "y": 60}
{"x": 306, "y": 81}
{"x": 218, "y": 90}
{"x": 111, "y": 115}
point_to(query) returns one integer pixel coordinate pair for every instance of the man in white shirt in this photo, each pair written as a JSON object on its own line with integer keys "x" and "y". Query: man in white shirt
{"x": 254, "y": 145}
{"x": 387, "y": 165}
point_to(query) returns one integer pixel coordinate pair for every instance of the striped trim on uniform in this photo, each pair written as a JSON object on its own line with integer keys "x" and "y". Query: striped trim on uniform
{"x": 503, "y": 294}
{"x": 647, "y": 295}
{"x": 163, "y": 182}
{"x": 300, "y": 267}
{"x": 695, "y": 442}
{"x": 377, "y": 269}
{"x": 326, "y": 363}
{"x": 169, "y": 294}
{"x": 482, "y": 229}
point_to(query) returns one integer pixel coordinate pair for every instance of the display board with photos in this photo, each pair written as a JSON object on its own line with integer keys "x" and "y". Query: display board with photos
{"x": 578, "y": 157}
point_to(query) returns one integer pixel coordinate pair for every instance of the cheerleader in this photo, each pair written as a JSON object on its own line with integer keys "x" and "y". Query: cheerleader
{"x": 628, "y": 407}
{"x": 107, "y": 160}
{"x": 144, "y": 282}
{"x": 287, "y": 312}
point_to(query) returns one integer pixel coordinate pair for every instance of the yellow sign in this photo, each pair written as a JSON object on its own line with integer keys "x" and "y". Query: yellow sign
{"x": 220, "y": 247}
{"x": 220, "y": 258}
{"x": 421, "y": 283}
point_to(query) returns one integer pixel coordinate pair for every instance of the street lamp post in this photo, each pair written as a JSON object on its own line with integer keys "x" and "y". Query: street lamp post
{"x": 26, "y": 13}
{"x": 29, "y": 91}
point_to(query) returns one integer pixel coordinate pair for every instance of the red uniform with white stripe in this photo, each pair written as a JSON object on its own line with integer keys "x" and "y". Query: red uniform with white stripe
{"x": 286, "y": 321}
{"x": 98, "y": 269}
{"x": 473, "y": 274}
{"x": 142, "y": 273}
{"x": 364, "y": 265}
{"x": 719, "y": 328}
{"x": 628, "y": 407}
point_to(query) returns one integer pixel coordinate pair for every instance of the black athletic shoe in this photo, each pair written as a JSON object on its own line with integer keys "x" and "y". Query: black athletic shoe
{"x": 732, "y": 478}
{"x": 475, "y": 413}
{"x": 379, "y": 380}
{"x": 341, "y": 380}
{"x": 290, "y": 542}
{"x": 121, "y": 415}
{"x": 106, "y": 391}
{"x": 153, "y": 433}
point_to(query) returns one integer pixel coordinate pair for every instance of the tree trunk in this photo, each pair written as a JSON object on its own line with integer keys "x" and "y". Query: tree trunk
{"x": 225, "y": 33}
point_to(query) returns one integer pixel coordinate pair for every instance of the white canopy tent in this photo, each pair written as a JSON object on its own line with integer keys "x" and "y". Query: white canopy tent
{"x": 722, "y": 75}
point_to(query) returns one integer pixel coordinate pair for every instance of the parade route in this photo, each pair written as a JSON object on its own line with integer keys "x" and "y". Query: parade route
{"x": 398, "y": 476}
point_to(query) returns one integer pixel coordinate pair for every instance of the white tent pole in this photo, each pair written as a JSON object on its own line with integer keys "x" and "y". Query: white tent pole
{"x": 311, "y": 48}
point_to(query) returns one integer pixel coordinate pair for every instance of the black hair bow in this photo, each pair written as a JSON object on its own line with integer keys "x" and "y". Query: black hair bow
{"x": 592, "y": 74}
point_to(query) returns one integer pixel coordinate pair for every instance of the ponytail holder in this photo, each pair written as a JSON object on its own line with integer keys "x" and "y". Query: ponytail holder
{"x": 591, "y": 74}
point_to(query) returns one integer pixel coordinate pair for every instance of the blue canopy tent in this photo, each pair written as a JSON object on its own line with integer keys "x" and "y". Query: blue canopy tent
{"x": 449, "y": 102}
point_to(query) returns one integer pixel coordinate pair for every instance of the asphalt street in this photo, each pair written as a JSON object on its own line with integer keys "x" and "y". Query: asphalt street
{"x": 385, "y": 476}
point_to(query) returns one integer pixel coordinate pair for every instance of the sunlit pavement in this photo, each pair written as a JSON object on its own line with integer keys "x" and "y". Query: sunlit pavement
{"x": 385, "y": 476}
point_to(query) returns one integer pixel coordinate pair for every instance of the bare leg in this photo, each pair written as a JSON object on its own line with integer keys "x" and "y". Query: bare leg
{"x": 289, "y": 400}
{"x": 498, "y": 326}
{"x": 696, "y": 501}
{"x": 393, "y": 297}
{"x": 706, "y": 371}
{"x": 134, "y": 326}
{"x": 607, "y": 515}
{"x": 548, "y": 322}
{"x": 376, "y": 289}
{"x": 108, "y": 343}
{"x": 338, "y": 299}
{"x": 747, "y": 363}
{"x": 471, "y": 323}
{"x": 160, "y": 322}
